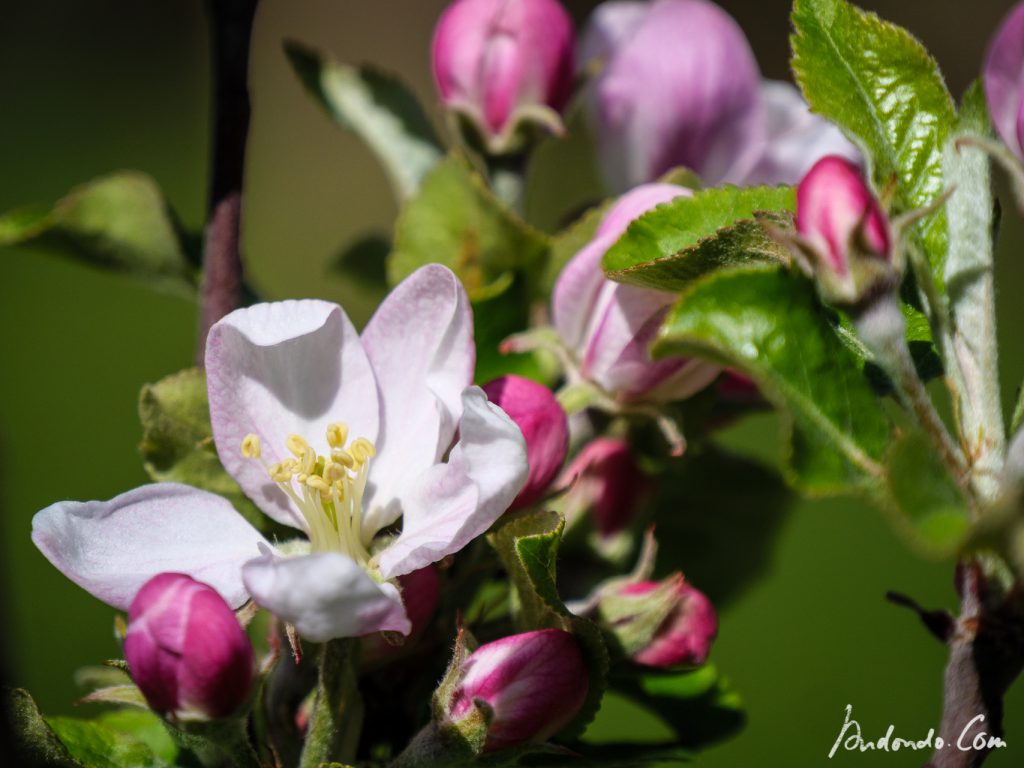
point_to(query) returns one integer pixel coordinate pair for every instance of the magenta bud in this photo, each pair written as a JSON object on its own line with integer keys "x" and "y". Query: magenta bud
{"x": 533, "y": 683}
{"x": 679, "y": 86}
{"x": 661, "y": 623}
{"x": 605, "y": 481}
{"x": 1004, "y": 80}
{"x": 186, "y": 650}
{"x": 545, "y": 427}
{"x": 421, "y": 592}
{"x": 503, "y": 63}
{"x": 845, "y": 232}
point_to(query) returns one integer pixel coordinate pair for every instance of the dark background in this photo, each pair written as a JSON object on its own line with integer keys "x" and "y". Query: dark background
{"x": 91, "y": 87}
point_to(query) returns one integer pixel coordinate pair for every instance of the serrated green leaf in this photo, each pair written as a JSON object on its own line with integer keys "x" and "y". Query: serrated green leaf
{"x": 177, "y": 442}
{"x": 680, "y": 240}
{"x": 378, "y": 108}
{"x": 98, "y": 746}
{"x": 120, "y": 222}
{"x": 455, "y": 220}
{"x": 527, "y": 544}
{"x": 34, "y": 742}
{"x": 879, "y": 84}
{"x": 931, "y": 509}
{"x": 769, "y": 323}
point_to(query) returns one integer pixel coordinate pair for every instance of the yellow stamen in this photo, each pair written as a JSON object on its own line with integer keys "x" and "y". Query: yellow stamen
{"x": 251, "y": 446}
{"x": 298, "y": 446}
{"x": 337, "y": 434}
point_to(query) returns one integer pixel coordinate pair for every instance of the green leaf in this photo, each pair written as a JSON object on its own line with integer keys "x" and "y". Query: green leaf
{"x": 568, "y": 243}
{"x": 378, "y": 108}
{"x": 120, "y": 222}
{"x": 699, "y": 705}
{"x": 144, "y": 726}
{"x": 99, "y": 746}
{"x": 177, "y": 442}
{"x": 34, "y": 742}
{"x": 931, "y": 509}
{"x": 677, "y": 242}
{"x": 456, "y": 221}
{"x": 527, "y": 544}
{"x": 879, "y": 84}
{"x": 495, "y": 318}
{"x": 769, "y": 323}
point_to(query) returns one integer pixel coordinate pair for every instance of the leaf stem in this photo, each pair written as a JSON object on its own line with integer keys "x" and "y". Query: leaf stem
{"x": 337, "y": 716}
{"x": 231, "y": 29}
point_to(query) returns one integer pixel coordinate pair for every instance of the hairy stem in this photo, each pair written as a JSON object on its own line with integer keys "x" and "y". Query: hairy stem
{"x": 231, "y": 28}
{"x": 337, "y": 717}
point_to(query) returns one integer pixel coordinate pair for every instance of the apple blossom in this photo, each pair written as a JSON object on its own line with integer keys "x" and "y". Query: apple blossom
{"x": 845, "y": 233}
{"x": 1004, "y": 80}
{"x": 607, "y": 327}
{"x": 534, "y": 683}
{"x": 186, "y": 650}
{"x": 281, "y": 377}
{"x": 536, "y": 411}
{"x": 502, "y": 63}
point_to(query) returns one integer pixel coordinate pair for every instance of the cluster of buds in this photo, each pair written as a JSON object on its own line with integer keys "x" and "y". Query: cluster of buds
{"x": 504, "y": 66}
{"x": 186, "y": 651}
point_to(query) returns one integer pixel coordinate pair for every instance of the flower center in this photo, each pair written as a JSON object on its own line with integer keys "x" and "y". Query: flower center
{"x": 327, "y": 489}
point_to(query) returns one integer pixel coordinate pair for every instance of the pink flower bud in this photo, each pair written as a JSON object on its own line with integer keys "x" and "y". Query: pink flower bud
{"x": 534, "y": 683}
{"x": 608, "y": 326}
{"x": 680, "y": 87}
{"x": 538, "y": 414}
{"x": 1004, "y": 80}
{"x": 846, "y": 230}
{"x": 186, "y": 650}
{"x": 683, "y": 636}
{"x": 421, "y": 592}
{"x": 500, "y": 63}
{"x": 604, "y": 480}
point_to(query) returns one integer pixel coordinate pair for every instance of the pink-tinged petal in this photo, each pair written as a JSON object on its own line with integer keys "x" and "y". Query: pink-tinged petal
{"x": 111, "y": 548}
{"x": 325, "y": 596}
{"x": 535, "y": 683}
{"x": 580, "y": 285}
{"x": 451, "y": 504}
{"x": 609, "y": 28}
{"x": 832, "y": 202}
{"x": 545, "y": 427}
{"x": 795, "y": 138}
{"x": 683, "y": 90}
{"x": 1004, "y": 78}
{"x": 420, "y": 344}
{"x": 282, "y": 368}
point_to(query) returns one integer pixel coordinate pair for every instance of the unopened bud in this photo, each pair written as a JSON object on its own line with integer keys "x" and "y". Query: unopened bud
{"x": 660, "y": 624}
{"x": 845, "y": 234}
{"x": 186, "y": 651}
{"x": 502, "y": 64}
{"x": 533, "y": 684}
{"x": 604, "y": 481}
{"x": 544, "y": 425}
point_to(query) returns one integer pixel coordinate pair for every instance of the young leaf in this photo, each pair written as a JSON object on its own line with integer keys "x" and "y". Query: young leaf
{"x": 378, "y": 108}
{"x": 456, "y": 221}
{"x": 769, "y": 323}
{"x": 528, "y": 547}
{"x": 34, "y": 742}
{"x": 879, "y": 84}
{"x": 930, "y": 507}
{"x": 177, "y": 441}
{"x": 99, "y": 746}
{"x": 681, "y": 240}
{"x": 120, "y": 222}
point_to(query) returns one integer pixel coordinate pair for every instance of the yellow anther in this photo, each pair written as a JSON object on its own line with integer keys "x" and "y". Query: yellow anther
{"x": 337, "y": 434}
{"x": 251, "y": 446}
{"x": 362, "y": 449}
{"x": 308, "y": 462}
{"x": 317, "y": 483}
{"x": 333, "y": 472}
{"x": 339, "y": 488}
{"x": 298, "y": 446}
{"x": 343, "y": 457}
{"x": 282, "y": 471}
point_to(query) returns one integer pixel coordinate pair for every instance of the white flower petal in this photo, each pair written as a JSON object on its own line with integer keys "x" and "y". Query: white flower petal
{"x": 420, "y": 344}
{"x": 111, "y": 548}
{"x": 451, "y": 504}
{"x": 324, "y": 595}
{"x": 282, "y": 368}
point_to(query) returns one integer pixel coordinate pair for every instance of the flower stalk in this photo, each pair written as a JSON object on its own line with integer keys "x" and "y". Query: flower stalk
{"x": 337, "y": 716}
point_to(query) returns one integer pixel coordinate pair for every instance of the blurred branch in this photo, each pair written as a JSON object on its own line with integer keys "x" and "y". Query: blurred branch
{"x": 230, "y": 31}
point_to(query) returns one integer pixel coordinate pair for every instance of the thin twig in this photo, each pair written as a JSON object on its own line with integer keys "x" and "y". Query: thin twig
{"x": 231, "y": 29}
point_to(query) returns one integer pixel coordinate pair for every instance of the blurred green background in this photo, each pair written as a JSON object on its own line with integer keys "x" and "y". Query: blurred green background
{"x": 92, "y": 87}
